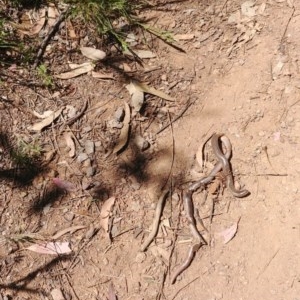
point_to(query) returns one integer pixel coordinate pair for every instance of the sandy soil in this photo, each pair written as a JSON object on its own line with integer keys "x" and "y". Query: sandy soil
{"x": 240, "y": 71}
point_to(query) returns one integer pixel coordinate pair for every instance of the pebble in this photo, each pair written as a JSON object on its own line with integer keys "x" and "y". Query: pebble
{"x": 69, "y": 216}
{"x": 119, "y": 114}
{"x": 140, "y": 257}
{"x": 114, "y": 124}
{"x": 89, "y": 147}
{"x": 90, "y": 171}
{"x": 82, "y": 157}
{"x": 141, "y": 143}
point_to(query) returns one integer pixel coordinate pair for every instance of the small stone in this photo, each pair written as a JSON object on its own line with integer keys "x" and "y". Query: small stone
{"x": 140, "y": 257}
{"x": 82, "y": 157}
{"x": 90, "y": 171}
{"x": 119, "y": 114}
{"x": 141, "y": 143}
{"x": 89, "y": 147}
{"x": 261, "y": 133}
{"x": 105, "y": 261}
{"x": 90, "y": 233}
{"x": 69, "y": 216}
{"x": 114, "y": 124}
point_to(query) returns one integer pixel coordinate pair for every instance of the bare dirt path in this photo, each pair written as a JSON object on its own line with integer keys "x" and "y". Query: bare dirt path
{"x": 241, "y": 70}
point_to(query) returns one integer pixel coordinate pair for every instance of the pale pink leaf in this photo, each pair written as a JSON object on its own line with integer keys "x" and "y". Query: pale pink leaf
{"x": 111, "y": 292}
{"x": 64, "y": 184}
{"x": 105, "y": 212}
{"x": 229, "y": 233}
{"x": 52, "y": 248}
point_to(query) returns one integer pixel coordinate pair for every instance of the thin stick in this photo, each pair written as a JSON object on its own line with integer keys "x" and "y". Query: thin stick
{"x": 185, "y": 286}
{"x": 156, "y": 219}
{"x": 79, "y": 115}
{"x": 189, "y": 103}
{"x": 48, "y": 37}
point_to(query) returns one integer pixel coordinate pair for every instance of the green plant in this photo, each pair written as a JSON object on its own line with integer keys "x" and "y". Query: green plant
{"x": 44, "y": 75}
{"x": 25, "y": 152}
{"x": 102, "y": 13}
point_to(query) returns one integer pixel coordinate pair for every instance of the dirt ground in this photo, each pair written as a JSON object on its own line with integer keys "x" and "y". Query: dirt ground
{"x": 240, "y": 73}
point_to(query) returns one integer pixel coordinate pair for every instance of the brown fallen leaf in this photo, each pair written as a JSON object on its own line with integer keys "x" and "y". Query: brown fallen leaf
{"x": 105, "y": 212}
{"x": 57, "y": 294}
{"x": 123, "y": 138}
{"x": 52, "y": 14}
{"x": 78, "y": 70}
{"x": 141, "y": 53}
{"x": 102, "y": 75}
{"x": 39, "y": 24}
{"x": 150, "y": 90}
{"x": 183, "y": 37}
{"x": 46, "y": 122}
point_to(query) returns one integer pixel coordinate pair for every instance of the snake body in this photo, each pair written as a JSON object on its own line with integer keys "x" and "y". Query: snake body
{"x": 222, "y": 164}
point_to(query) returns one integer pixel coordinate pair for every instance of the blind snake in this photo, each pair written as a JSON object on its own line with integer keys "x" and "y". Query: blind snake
{"x": 222, "y": 164}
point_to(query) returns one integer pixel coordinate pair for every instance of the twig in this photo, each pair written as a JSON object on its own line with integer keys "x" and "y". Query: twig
{"x": 189, "y": 103}
{"x": 267, "y": 264}
{"x": 79, "y": 115}
{"x": 158, "y": 212}
{"x": 48, "y": 37}
{"x": 185, "y": 286}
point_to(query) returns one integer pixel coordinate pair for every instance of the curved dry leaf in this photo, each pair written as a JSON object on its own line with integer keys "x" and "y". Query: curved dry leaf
{"x": 64, "y": 184}
{"x": 150, "y": 90}
{"x": 39, "y": 24}
{"x": 229, "y": 233}
{"x": 70, "y": 143}
{"x": 78, "y": 70}
{"x": 52, "y": 14}
{"x": 105, "y": 212}
{"x": 102, "y": 75}
{"x": 44, "y": 115}
{"x": 123, "y": 138}
{"x": 57, "y": 294}
{"x": 52, "y": 248}
{"x": 92, "y": 53}
{"x": 46, "y": 122}
{"x": 141, "y": 53}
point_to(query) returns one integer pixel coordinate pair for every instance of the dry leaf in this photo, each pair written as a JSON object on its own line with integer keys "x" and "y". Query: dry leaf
{"x": 111, "y": 292}
{"x": 248, "y": 9}
{"x": 39, "y": 24}
{"x": 64, "y": 184}
{"x": 78, "y": 70}
{"x": 44, "y": 115}
{"x": 290, "y": 3}
{"x": 137, "y": 96}
{"x": 141, "y": 53}
{"x": 46, "y": 122}
{"x": 102, "y": 75}
{"x": 184, "y": 37}
{"x": 57, "y": 294}
{"x": 150, "y": 90}
{"x": 261, "y": 8}
{"x": 52, "y": 14}
{"x": 70, "y": 143}
{"x": 229, "y": 233}
{"x": 92, "y": 53}
{"x": 123, "y": 138}
{"x": 105, "y": 212}
{"x": 66, "y": 230}
{"x": 52, "y": 248}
